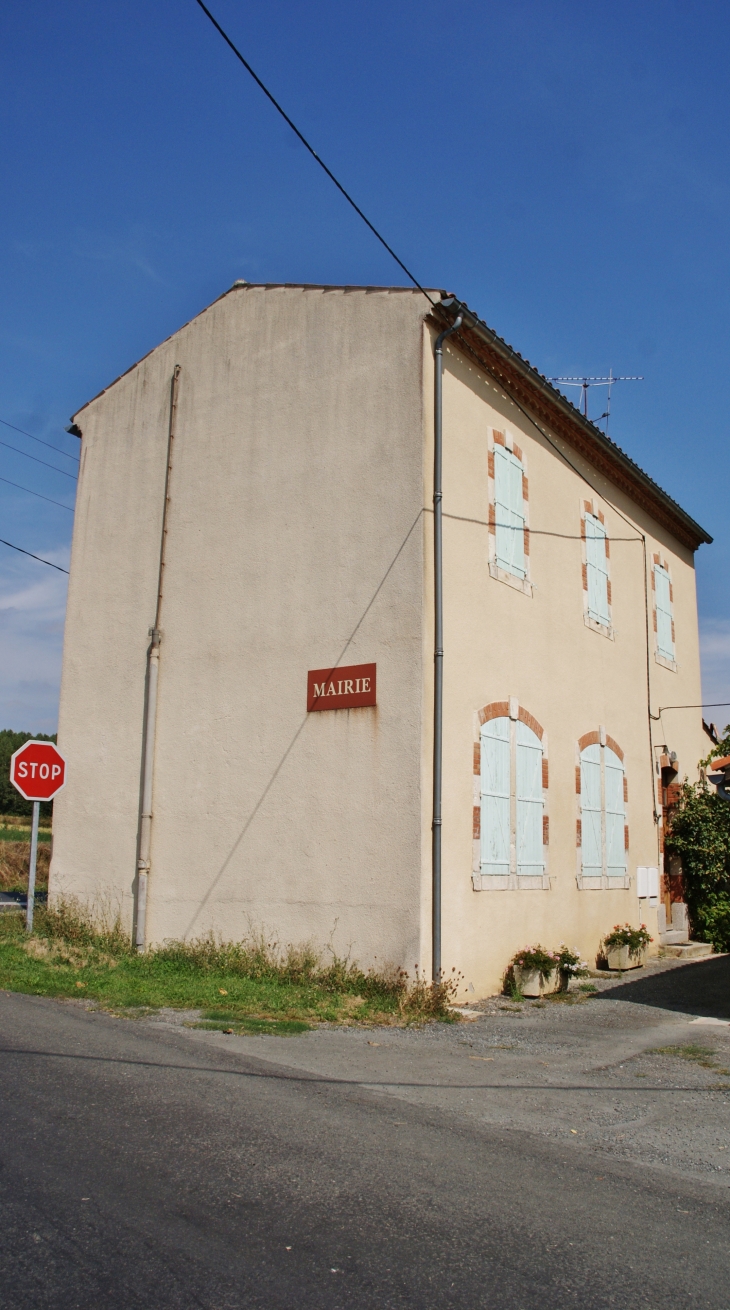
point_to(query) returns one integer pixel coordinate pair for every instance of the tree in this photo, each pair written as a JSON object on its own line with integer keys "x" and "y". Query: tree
{"x": 699, "y": 833}
{"x": 11, "y": 801}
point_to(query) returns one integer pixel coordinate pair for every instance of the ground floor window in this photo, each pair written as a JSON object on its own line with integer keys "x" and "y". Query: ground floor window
{"x": 511, "y": 820}
{"x": 602, "y": 827}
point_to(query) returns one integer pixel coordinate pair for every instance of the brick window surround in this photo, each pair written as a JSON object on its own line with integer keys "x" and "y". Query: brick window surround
{"x": 605, "y": 629}
{"x": 599, "y": 738}
{"x": 662, "y": 659}
{"x": 496, "y": 437}
{"x": 507, "y": 709}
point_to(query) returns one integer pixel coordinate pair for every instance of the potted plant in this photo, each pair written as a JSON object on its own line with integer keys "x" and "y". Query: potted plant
{"x": 625, "y": 947}
{"x": 535, "y": 970}
{"x": 569, "y": 966}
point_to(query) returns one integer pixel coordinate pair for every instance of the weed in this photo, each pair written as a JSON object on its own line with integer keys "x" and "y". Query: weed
{"x": 252, "y": 1024}
{"x": 702, "y": 1055}
{"x": 74, "y": 948}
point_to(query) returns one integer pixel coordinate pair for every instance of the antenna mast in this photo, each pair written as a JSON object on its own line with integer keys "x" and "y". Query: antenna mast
{"x": 585, "y": 382}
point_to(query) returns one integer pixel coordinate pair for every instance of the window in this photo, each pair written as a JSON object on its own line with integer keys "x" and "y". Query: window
{"x": 510, "y": 823}
{"x": 509, "y": 540}
{"x": 663, "y": 616}
{"x": 602, "y": 829}
{"x": 509, "y": 512}
{"x": 596, "y": 580}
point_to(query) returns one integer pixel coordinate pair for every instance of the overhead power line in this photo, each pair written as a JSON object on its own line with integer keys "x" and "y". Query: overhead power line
{"x": 32, "y": 556}
{"x": 38, "y": 494}
{"x": 312, "y": 151}
{"x": 40, "y": 440}
{"x": 45, "y": 463}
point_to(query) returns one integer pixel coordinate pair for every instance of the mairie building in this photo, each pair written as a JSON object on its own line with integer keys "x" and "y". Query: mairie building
{"x": 248, "y": 677}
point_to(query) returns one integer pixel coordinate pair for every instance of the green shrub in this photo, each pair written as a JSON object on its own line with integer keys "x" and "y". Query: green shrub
{"x": 699, "y": 833}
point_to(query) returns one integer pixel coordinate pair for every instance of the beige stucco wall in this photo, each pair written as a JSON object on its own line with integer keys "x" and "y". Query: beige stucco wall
{"x": 501, "y": 643}
{"x": 294, "y": 543}
{"x": 300, "y": 535}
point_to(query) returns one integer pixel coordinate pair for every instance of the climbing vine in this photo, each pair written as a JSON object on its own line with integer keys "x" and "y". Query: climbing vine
{"x": 699, "y": 833}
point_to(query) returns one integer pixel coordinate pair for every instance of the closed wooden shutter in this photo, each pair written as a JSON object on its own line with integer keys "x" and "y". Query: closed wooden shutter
{"x": 597, "y": 570}
{"x": 529, "y": 801}
{"x": 590, "y": 804}
{"x": 495, "y": 796}
{"x": 662, "y": 597}
{"x": 509, "y": 512}
{"x": 615, "y": 815}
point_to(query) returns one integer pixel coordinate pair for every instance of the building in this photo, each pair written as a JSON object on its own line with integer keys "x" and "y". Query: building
{"x": 298, "y": 540}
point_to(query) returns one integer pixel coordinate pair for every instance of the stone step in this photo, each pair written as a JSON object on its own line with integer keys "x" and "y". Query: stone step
{"x": 686, "y": 951}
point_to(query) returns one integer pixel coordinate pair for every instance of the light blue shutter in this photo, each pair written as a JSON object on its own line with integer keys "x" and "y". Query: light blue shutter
{"x": 615, "y": 815}
{"x": 662, "y": 594}
{"x": 590, "y": 810}
{"x": 529, "y": 802}
{"x": 495, "y": 789}
{"x": 597, "y": 570}
{"x": 509, "y": 512}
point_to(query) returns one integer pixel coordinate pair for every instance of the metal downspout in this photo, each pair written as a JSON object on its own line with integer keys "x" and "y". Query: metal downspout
{"x": 150, "y": 706}
{"x": 438, "y": 656}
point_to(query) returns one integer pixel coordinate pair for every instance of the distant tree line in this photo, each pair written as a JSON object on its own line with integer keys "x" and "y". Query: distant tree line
{"x": 11, "y": 801}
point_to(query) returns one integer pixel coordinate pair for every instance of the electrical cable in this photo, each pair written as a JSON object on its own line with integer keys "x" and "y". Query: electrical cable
{"x": 38, "y": 494}
{"x": 23, "y": 433}
{"x": 32, "y": 556}
{"x": 534, "y": 532}
{"x": 706, "y": 705}
{"x": 313, "y": 152}
{"x": 44, "y": 462}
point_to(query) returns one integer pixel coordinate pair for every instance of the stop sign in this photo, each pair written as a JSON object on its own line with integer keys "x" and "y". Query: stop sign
{"x": 38, "y": 770}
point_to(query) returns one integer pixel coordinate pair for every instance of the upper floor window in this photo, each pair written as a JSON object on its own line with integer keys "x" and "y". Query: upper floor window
{"x": 510, "y": 823}
{"x": 602, "y": 829}
{"x": 508, "y": 503}
{"x": 596, "y": 579}
{"x": 663, "y": 612}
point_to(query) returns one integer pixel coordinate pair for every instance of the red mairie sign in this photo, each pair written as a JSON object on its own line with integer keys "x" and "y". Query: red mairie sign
{"x": 38, "y": 770}
{"x": 346, "y": 688}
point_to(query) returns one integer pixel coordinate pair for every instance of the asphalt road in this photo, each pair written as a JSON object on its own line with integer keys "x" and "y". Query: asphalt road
{"x": 147, "y": 1167}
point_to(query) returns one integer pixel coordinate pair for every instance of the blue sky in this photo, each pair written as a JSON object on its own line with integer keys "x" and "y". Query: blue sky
{"x": 562, "y": 167}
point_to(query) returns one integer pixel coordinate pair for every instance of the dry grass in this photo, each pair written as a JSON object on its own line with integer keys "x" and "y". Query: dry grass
{"x": 14, "y": 859}
{"x": 257, "y": 977}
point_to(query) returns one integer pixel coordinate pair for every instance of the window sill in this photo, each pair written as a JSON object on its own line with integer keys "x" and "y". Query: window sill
{"x": 665, "y": 663}
{"x": 604, "y": 630}
{"x": 603, "y": 883}
{"x": 510, "y": 882}
{"x": 501, "y": 575}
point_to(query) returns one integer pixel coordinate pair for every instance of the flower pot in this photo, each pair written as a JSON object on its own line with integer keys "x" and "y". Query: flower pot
{"x": 618, "y": 957}
{"x": 530, "y": 982}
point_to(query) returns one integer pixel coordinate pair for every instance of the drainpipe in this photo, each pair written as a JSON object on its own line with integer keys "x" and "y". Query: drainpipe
{"x": 150, "y": 707}
{"x": 438, "y": 655}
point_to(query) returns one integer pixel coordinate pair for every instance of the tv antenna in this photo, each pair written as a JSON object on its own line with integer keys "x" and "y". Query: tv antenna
{"x": 586, "y": 382}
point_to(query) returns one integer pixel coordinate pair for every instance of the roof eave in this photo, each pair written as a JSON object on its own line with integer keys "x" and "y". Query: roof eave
{"x": 566, "y": 419}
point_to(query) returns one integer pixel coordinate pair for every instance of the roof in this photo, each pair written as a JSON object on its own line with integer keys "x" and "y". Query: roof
{"x": 532, "y": 389}
{"x": 525, "y": 384}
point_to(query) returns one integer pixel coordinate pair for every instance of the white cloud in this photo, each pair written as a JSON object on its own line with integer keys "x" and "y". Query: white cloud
{"x": 32, "y": 610}
{"x": 715, "y": 650}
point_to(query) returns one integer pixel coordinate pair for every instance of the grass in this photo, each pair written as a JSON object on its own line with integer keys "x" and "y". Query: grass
{"x": 14, "y": 860}
{"x": 702, "y": 1055}
{"x": 249, "y": 986}
{"x": 23, "y": 835}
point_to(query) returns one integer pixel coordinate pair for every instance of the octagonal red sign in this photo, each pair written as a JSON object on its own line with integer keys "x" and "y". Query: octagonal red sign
{"x": 38, "y": 770}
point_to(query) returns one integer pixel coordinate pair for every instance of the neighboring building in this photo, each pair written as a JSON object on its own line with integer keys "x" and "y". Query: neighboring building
{"x": 299, "y": 538}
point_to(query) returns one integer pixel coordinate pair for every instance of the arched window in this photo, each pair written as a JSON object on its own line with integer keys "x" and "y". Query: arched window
{"x": 512, "y": 828}
{"x": 603, "y": 831}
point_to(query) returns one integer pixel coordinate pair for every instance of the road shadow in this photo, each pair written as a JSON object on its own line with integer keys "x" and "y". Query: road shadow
{"x": 702, "y": 988}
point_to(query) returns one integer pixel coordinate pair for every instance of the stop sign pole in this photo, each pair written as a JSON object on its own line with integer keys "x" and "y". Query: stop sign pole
{"x": 38, "y": 772}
